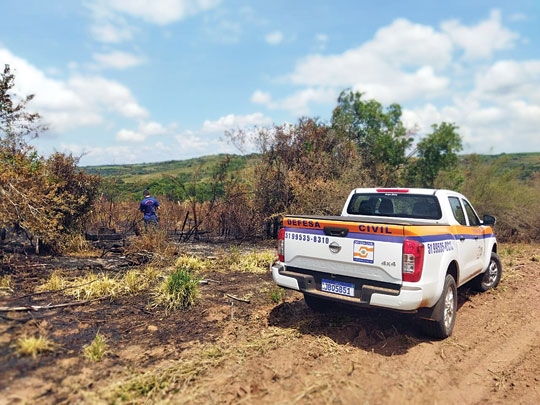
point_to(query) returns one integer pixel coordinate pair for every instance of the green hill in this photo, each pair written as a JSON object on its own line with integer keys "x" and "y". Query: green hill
{"x": 171, "y": 177}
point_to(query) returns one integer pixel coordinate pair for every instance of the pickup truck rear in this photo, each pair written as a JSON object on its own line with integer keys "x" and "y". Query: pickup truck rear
{"x": 400, "y": 249}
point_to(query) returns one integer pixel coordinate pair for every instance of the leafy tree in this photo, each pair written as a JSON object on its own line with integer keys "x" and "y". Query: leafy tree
{"x": 379, "y": 135}
{"x": 435, "y": 154}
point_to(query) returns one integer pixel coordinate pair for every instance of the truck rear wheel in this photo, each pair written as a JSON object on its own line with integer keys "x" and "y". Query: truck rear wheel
{"x": 444, "y": 312}
{"x": 490, "y": 278}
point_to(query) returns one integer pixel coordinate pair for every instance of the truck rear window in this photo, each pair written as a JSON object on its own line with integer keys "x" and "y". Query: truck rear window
{"x": 395, "y": 205}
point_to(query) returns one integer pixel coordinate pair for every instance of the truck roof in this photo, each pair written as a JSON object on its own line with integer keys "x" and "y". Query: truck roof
{"x": 405, "y": 190}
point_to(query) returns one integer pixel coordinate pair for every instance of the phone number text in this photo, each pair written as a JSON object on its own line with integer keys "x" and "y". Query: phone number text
{"x": 302, "y": 237}
{"x": 439, "y": 247}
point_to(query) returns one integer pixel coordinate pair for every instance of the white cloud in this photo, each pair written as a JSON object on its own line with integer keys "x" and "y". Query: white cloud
{"x": 161, "y": 12}
{"x": 144, "y": 131}
{"x": 397, "y": 65}
{"x": 481, "y": 40}
{"x": 231, "y": 122}
{"x": 108, "y": 32}
{"x": 117, "y": 60}
{"x": 510, "y": 79}
{"x": 261, "y": 97}
{"x": 321, "y": 40}
{"x": 298, "y": 102}
{"x": 107, "y": 26}
{"x": 274, "y": 38}
{"x": 78, "y": 102}
{"x": 126, "y": 135}
{"x": 155, "y": 128}
{"x": 109, "y": 94}
{"x": 404, "y": 43}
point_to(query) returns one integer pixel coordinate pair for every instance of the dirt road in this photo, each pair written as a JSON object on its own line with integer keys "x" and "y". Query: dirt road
{"x": 259, "y": 352}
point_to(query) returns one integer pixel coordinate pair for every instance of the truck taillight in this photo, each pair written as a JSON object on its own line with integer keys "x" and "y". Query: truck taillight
{"x": 413, "y": 260}
{"x": 281, "y": 245}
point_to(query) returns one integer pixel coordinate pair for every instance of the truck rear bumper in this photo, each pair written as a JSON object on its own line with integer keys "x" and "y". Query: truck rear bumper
{"x": 406, "y": 298}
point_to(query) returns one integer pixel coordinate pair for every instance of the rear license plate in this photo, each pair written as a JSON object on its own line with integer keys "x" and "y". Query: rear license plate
{"x": 337, "y": 287}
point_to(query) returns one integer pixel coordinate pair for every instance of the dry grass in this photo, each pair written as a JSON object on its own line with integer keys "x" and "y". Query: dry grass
{"x": 249, "y": 262}
{"x": 187, "y": 375}
{"x": 191, "y": 263}
{"x": 77, "y": 245}
{"x": 5, "y": 285}
{"x": 153, "y": 240}
{"x": 99, "y": 285}
{"x": 55, "y": 282}
{"x": 33, "y": 346}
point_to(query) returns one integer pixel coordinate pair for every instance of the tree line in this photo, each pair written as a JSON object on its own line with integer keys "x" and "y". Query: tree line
{"x": 308, "y": 167}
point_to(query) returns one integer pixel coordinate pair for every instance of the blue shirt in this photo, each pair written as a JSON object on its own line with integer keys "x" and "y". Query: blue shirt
{"x": 149, "y": 206}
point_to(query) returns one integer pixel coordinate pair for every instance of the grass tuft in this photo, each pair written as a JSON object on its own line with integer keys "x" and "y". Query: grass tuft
{"x": 179, "y": 291}
{"x": 32, "y": 346}
{"x": 5, "y": 285}
{"x": 249, "y": 262}
{"x": 77, "y": 245}
{"x": 277, "y": 294}
{"x": 96, "y": 350}
{"x": 92, "y": 286}
{"x": 56, "y": 282}
{"x": 191, "y": 263}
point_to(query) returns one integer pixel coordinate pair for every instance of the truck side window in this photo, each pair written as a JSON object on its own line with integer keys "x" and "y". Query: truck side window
{"x": 471, "y": 215}
{"x": 457, "y": 210}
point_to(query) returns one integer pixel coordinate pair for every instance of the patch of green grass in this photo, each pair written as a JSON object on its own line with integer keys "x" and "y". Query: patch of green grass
{"x": 179, "y": 291}
{"x": 97, "y": 349}
{"x": 277, "y": 294}
{"x": 33, "y": 346}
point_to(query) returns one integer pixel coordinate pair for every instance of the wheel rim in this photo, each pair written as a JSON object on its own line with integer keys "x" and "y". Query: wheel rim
{"x": 449, "y": 308}
{"x": 491, "y": 274}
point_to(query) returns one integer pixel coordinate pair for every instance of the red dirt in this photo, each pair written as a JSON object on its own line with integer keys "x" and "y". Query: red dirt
{"x": 228, "y": 351}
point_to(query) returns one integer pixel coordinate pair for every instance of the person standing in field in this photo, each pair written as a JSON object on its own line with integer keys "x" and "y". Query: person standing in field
{"x": 149, "y": 206}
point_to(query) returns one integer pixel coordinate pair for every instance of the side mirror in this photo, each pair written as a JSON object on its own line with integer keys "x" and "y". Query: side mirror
{"x": 488, "y": 220}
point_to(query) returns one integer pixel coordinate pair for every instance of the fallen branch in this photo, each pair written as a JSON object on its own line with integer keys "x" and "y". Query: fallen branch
{"x": 208, "y": 281}
{"x": 49, "y": 306}
{"x": 234, "y": 297}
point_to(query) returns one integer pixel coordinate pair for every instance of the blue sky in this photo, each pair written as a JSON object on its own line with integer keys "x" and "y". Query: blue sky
{"x": 134, "y": 81}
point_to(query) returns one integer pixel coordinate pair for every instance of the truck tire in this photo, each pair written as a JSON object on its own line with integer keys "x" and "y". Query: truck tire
{"x": 444, "y": 313}
{"x": 490, "y": 278}
{"x": 317, "y": 304}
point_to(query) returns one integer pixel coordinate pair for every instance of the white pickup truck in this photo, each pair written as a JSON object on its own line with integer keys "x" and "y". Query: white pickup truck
{"x": 395, "y": 248}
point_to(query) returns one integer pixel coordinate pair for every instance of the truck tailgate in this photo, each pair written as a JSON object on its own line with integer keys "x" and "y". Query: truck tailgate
{"x": 371, "y": 251}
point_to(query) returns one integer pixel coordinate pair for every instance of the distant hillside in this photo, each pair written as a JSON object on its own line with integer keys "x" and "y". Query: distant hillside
{"x": 148, "y": 171}
{"x": 528, "y": 163}
{"x": 127, "y": 181}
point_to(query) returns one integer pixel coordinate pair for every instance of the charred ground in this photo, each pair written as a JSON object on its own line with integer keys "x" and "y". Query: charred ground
{"x": 254, "y": 350}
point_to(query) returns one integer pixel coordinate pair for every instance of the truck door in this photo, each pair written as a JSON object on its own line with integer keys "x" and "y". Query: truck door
{"x": 469, "y": 238}
{"x": 477, "y": 231}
